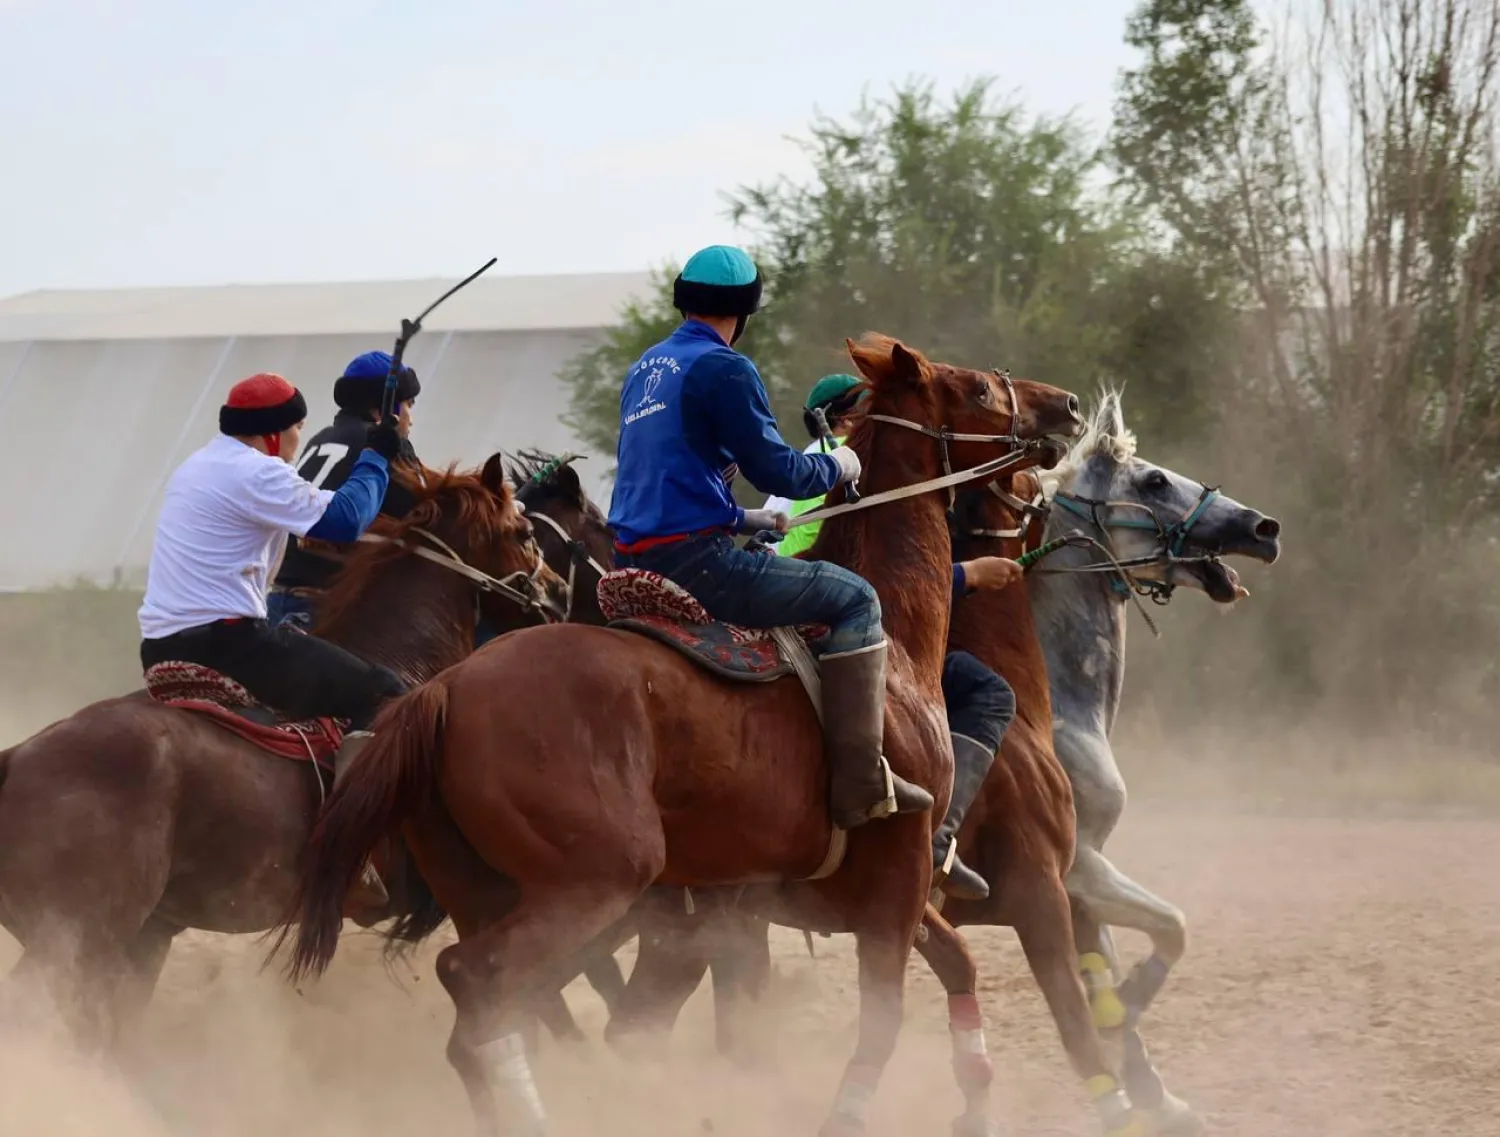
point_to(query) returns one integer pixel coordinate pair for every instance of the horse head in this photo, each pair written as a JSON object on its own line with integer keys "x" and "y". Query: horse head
{"x": 573, "y": 532}
{"x": 969, "y": 412}
{"x": 468, "y": 543}
{"x": 1165, "y": 529}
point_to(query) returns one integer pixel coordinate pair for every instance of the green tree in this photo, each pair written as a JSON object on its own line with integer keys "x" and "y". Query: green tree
{"x": 963, "y": 226}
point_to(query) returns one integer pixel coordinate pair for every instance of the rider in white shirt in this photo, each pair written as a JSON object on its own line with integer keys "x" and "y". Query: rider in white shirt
{"x": 223, "y": 526}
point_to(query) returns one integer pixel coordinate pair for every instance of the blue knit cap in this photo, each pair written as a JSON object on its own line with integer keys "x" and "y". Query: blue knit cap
{"x": 362, "y": 384}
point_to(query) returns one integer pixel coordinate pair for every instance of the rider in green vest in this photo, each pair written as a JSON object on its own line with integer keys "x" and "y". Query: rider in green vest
{"x": 980, "y": 703}
{"x": 835, "y": 396}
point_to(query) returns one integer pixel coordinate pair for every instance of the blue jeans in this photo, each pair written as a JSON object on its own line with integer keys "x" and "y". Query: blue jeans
{"x": 762, "y": 590}
{"x": 283, "y": 608}
{"x": 980, "y": 703}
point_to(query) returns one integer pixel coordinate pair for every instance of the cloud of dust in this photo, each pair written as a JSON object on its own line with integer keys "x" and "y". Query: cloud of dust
{"x": 232, "y": 1050}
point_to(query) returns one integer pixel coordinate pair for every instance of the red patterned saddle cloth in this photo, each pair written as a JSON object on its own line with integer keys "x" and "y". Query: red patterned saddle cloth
{"x": 646, "y": 602}
{"x": 205, "y": 691}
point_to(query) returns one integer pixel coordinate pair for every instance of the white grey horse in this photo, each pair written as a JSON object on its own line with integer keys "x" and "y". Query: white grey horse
{"x": 1137, "y": 529}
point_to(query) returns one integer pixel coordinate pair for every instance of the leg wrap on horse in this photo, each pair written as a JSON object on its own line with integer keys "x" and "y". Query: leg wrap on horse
{"x": 980, "y": 707}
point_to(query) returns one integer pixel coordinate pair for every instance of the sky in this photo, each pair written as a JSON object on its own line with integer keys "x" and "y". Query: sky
{"x": 165, "y": 142}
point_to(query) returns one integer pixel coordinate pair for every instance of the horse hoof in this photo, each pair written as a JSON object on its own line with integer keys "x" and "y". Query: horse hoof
{"x": 1173, "y": 1118}
{"x": 975, "y": 1127}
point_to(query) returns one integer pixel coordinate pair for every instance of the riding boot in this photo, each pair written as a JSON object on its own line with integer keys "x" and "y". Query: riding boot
{"x": 370, "y": 891}
{"x": 863, "y": 785}
{"x": 971, "y": 765}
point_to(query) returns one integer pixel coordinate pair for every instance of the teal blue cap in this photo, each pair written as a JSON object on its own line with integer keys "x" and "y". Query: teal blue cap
{"x": 722, "y": 266}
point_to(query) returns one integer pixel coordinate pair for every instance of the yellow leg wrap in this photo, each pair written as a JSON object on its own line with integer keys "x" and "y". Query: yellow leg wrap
{"x": 1118, "y": 1119}
{"x": 1108, "y": 1010}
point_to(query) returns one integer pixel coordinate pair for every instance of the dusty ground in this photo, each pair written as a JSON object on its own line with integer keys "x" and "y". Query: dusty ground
{"x": 1339, "y": 982}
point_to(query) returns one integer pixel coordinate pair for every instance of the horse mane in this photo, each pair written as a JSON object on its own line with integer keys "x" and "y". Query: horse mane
{"x": 535, "y": 472}
{"x": 457, "y": 497}
{"x": 843, "y": 540}
{"x": 1104, "y": 434}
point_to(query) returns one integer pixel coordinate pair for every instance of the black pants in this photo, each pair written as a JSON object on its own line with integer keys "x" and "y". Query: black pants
{"x": 980, "y": 704}
{"x": 289, "y": 671}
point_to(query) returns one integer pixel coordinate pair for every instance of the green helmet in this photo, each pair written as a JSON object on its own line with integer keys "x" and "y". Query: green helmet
{"x": 832, "y": 394}
{"x": 829, "y": 388}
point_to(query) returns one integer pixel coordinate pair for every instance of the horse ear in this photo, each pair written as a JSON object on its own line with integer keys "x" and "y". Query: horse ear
{"x": 904, "y": 364}
{"x": 492, "y": 477}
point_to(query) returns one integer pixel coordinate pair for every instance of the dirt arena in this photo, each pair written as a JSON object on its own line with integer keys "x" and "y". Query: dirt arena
{"x": 1337, "y": 983}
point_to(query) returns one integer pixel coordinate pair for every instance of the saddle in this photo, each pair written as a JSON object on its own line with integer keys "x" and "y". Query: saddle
{"x": 193, "y": 687}
{"x": 638, "y": 600}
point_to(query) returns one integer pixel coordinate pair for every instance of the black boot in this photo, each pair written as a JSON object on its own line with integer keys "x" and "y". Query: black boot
{"x": 971, "y": 765}
{"x": 864, "y": 786}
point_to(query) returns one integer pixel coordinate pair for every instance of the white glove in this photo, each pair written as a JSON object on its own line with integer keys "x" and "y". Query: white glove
{"x": 758, "y": 519}
{"x": 849, "y": 467}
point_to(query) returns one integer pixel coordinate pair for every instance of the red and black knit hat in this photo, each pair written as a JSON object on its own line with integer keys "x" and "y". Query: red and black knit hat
{"x": 260, "y": 405}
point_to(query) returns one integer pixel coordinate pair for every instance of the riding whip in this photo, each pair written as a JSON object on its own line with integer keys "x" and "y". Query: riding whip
{"x": 409, "y": 328}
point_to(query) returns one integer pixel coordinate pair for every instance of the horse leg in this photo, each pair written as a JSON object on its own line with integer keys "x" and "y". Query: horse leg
{"x": 553, "y": 1010}
{"x": 145, "y": 956}
{"x": 948, "y": 956}
{"x": 740, "y": 965}
{"x": 605, "y": 977}
{"x": 1110, "y": 897}
{"x": 1043, "y": 922}
{"x": 883, "y": 945}
{"x": 1165, "y": 1113}
{"x": 1113, "y": 898}
{"x": 491, "y": 975}
{"x": 670, "y": 963}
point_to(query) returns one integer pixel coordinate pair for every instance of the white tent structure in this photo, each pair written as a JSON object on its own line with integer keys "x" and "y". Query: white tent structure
{"x": 103, "y": 393}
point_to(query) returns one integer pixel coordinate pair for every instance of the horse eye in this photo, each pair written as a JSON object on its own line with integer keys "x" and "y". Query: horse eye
{"x": 1156, "y": 480}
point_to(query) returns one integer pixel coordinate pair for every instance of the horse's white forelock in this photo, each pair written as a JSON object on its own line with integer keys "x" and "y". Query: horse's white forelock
{"x": 1105, "y": 433}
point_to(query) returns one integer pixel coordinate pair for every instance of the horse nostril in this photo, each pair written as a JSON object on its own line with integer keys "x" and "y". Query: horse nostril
{"x": 1268, "y": 529}
{"x": 1073, "y": 408}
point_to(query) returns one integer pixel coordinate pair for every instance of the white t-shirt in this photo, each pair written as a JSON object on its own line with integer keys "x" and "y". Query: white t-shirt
{"x": 224, "y": 521}
{"x": 782, "y": 504}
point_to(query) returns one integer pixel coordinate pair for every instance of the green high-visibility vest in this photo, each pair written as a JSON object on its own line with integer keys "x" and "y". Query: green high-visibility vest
{"x": 798, "y": 540}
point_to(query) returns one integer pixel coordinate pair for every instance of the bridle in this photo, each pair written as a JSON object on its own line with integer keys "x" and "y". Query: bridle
{"x": 522, "y": 587}
{"x": 1170, "y": 540}
{"x": 577, "y": 555}
{"x": 1017, "y": 450}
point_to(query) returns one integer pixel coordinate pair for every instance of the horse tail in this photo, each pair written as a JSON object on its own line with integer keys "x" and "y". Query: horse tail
{"x": 5, "y": 763}
{"x": 398, "y": 774}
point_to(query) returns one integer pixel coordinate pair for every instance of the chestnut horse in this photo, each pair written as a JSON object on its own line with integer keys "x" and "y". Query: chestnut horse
{"x": 1164, "y": 531}
{"x": 545, "y": 783}
{"x": 131, "y": 820}
{"x": 1025, "y": 810}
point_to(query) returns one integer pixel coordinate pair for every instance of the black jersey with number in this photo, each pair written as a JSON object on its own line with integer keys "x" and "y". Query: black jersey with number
{"x": 326, "y": 461}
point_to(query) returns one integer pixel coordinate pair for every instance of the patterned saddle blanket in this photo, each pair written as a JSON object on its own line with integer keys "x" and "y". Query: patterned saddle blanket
{"x": 205, "y": 691}
{"x": 646, "y": 602}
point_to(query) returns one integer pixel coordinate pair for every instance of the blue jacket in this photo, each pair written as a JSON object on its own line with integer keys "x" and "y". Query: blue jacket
{"x": 691, "y": 408}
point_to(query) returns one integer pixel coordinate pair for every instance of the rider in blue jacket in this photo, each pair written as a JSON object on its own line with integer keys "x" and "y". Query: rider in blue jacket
{"x": 693, "y": 411}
